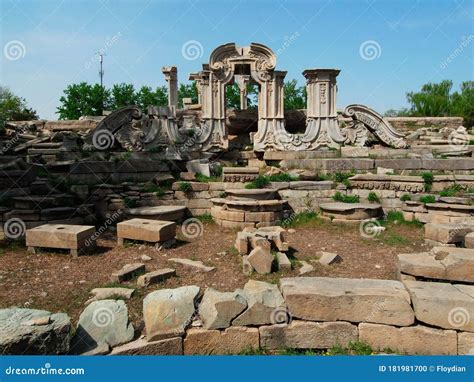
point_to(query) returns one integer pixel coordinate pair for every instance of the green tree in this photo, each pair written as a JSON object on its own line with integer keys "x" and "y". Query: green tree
{"x": 432, "y": 101}
{"x": 463, "y": 103}
{"x": 147, "y": 97}
{"x": 122, "y": 95}
{"x": 83, "y": 99}
{"x": 187, "y": 91}
{"x": 295, "y": 97}
{"x": 13, "y": 108}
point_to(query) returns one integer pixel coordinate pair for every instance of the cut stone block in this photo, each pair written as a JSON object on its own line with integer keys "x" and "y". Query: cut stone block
{"x": 469, "y": 240}
{"x": 283, "y": 261}
{"x": 328, "y": 258}
{"x": 168, "y": 213}
{"x": 442, "y": 304}
{"x": 305, "y": 268}
{"x": 242, "y": 243}
{"x": 218, "y": 309}
{"x": 110, "y": 293}
{"x": 261, "y": 260}
{"x": 197, "y": 265}
{"x": 409, "y": 340}
{"x": 308, "y": 335}
{"x": 128, "y": 272}
{"x": 155, "y": 277}
{"x": 73, "y": 237}
{"x": 265, "y": 305}
{"x": 153, "y": 231}
{"x": 168, "y": 312}
{"x": 170, "y": 346}
{"x": 465, "y": 343}
{"x": 355, "y": 300}
{"x": 247, "y": 268}
{"x": 232, "y": 340}
{"x": 447, "y": 233}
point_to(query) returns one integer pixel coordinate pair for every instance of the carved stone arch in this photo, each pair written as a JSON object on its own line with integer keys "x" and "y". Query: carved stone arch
{"x": 376, "y": 124}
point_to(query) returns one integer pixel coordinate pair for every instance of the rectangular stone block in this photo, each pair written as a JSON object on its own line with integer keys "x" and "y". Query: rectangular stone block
{"x": 283, "y": 261}
{"x": 242, "y": 243}
{"x": 355, "y": 300}
{"x": 128, "y": 272}
{"x": 154, "y": 231}
{"x": 155, "y": 277}
{"x": 307, "y": 335}
{"x": 199, "y": 203}
{"x": 233, "y": 340}
{"x": 417, "y": 339}
{"x": 194, "y": 186}
{"x": 260, "y": 216}
{"x": 447, "y": 232}
{"x": 170, "y": 346}
{"x": 465, "y": 343}
{"x": 60, "y": 236}
{"x": 235, "y": 216}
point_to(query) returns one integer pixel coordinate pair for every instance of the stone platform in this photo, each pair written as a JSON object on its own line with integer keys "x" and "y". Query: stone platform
{"x": 77, "y": 238}
{"x": 350, "y": 212}
{"x": 153, "y": 231}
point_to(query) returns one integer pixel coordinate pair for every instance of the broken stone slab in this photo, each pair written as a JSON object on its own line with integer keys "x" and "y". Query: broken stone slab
{"x": 247, "y": 268}
{"x": 444, "y": 305}
{"x": 128, "y": 272}
{"x": 218, "y": 309}
{"x": 469, "y": 240}
{"x": 233, "y": 340}
{"x": 102, "y": 324}
{"x": 242, "y": 243}
{"x": 197, "y": 265}
{"x": 283, "y": 262}
{"x": 170, "y": 346}
{"x": 417, "y": 339}
{"x": 305, "y": 267}
{"x": 110, "y": 293}
{"x": 328, "y": 258}
{"x": 168, "y": 312}
{"x": 265, "y": 305}
{"x": 443, "y": 263}
{"x": 308, "y": 335}
{"x": 35, "y": 332}
{"x": 447, "y": 232}
{"x": 342, "y": 299}
{"x": 261, "y": 260}
{"x": 155, "y": 277}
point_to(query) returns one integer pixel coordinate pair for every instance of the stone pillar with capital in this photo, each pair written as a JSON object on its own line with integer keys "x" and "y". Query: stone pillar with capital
{"x": 171, "y": 77}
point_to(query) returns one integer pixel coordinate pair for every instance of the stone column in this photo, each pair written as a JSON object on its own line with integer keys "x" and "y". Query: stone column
{"x": 171, "y": 77}
{"x": 242, "y": 81}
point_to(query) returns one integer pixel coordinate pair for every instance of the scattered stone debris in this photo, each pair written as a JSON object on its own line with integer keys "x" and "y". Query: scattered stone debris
{"x": 198, "y": 265}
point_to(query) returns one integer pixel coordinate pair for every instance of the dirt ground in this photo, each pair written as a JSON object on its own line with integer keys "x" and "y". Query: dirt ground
{"x": 59, "y": 283}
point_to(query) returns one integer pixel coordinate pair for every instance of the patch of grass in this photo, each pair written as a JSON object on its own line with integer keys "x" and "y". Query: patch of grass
{"x": 353, "y": 348}
{"x": 205, "y": 218}
{"x": 373, "y": 197}
{"x": 340, "y": 197}
{"x": 254, "y": 351}
{"x": 428, "y": 199}
{"x": 301, "y": 219}
{"x": 207, "y": 179}
{"x": 393, "y": 239}
{"x": 428, "y": 179}
{"x": 396, "y": 217}
{"x": 222, "y": 194}
{"x": 185, "y": 187}
{"x": 405, "y": 197}
{"x": 282, "y": 177}
{"x": 453, "y": 190}
{"x": 153, "y": 188}
{"x": 260, "y": 181}
{"x": 343, "y": 177}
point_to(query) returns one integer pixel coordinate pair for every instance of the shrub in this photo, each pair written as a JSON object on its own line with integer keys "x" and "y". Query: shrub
{"x": 373, "y": 198}
{"x": 282, "y": 177}
{"x": 185, "y": 187}
{"x": 428, "y": 178}
{"x": 340, "y": 197}
{"x": 405, "y": 197}
{"x": 260, "y": 181}
{"x": 453, "y": 190}
{"x": 428, "y": 199}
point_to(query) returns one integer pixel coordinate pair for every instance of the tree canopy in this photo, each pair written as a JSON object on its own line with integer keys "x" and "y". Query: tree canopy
{"x": 14, "y": 108}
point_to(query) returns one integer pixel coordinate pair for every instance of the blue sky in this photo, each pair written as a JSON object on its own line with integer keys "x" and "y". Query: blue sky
{"x": 383, "y": 48}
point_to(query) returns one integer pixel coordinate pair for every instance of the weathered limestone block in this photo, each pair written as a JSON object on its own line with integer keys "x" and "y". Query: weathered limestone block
{"x": 110, "y": 293}
{"x": 220, "y": 213}
{"x": 465, "y": 343}
{"x": 261, "y": 260}
{"x": 154, "y": 231}
{"x": 247, "y": 268}
{"x": 155, "y": 277}
{"x": 355, "y": 300}
{"x": 232, "y": 340}
{"x": 194, "y": 264}
{"x": 31, "y": 331}
{"x": 218, "y": 309}
{"x": 194, "y": 186}
{"x": 307, "y": 335}
{"x": 128, "y": 272}
{"x": 409, "y": 340}
{"x": 265, "y": 304}
{"x": 442, "y": 304}
{"x": 168, "y": 312}
{"x": 447, "y": 233}
{"x": 103, "y": 324}
{"x": 170, "y": 346}
{"x": 469, "y": 240}
{"x": 328, "y": 258}
{"x": 62, "y": 236}
{"x": 283, "y": 262}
